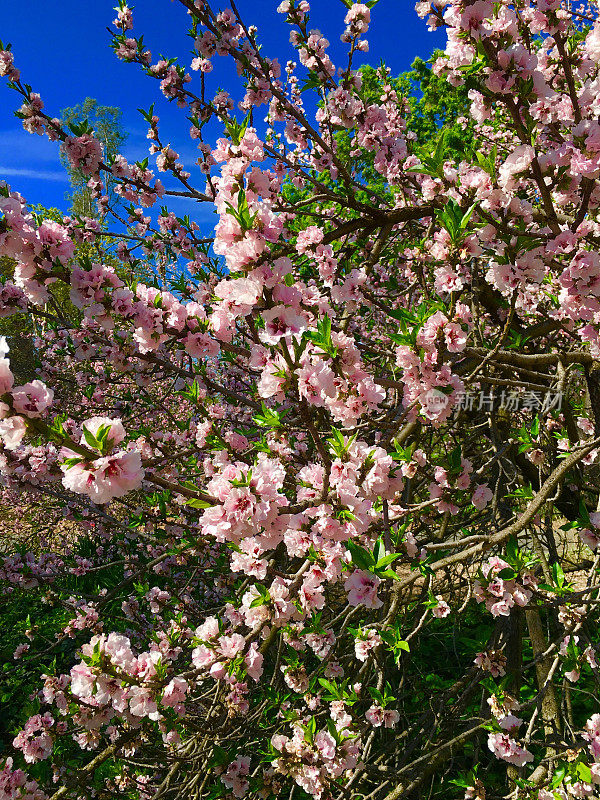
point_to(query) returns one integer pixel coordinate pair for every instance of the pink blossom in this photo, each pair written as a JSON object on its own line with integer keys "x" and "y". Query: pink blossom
{"x": 201, "y": 345}
{"x": 493, "y": 662}
{"x": 105, "y": 478}
{"x": 482, "y": 496}
{"x": 12, "y": 431}
{"x": 309, "y": 238}
{"x": 6, "y": 376}
{"x": 230, "y": 646}
{"x": 142, "y": 703}
{"x": 208, "y": 630}
{"x": 254, "y": 662}
{"x": 32, "y": 399}
{"x": 587, "y": 536}
{"x": 235, "y": 776}
{"x": 378, "y": 716}
{"x": 369, "y": 640}
{"x": 362, "y": 589}
{"x": 325, "y": 744}
{"x": 517, "y": 162}
{"x": 175, "y": 692}
{"x": 82, "y": 681}
{"x": 442, "y": 609}
{"x": 508, "y": 750}
{"x": 84, "y": 153}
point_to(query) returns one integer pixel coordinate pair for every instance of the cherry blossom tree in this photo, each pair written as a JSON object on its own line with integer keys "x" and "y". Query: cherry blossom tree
{"x": 331, "y": 471}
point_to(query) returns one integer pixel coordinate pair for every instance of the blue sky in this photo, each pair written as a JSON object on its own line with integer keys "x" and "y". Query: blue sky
{"x": 62, "y": 51}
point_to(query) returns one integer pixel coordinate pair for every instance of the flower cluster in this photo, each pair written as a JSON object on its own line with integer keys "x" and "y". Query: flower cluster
{"x": 243, "y": 497}
{"x": 499, "y": 593}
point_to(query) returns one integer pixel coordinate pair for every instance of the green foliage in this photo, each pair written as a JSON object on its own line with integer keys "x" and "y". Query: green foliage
{"x": 27, "y": 612}
{"x": 433, "y": 105}
{"x": 107, "y": 125}
{"x": 432, "y": 109}
{"x": 378, "y": 561}
{"x": 436, "y": 104}
{"x": 236, "y": 131}
{"x": 322, "y": 336}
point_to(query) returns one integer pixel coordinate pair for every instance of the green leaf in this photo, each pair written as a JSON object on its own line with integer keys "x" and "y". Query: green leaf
{"x": 90, "y": 439}
{"x": 558, "y": 777}
{"x": 236, "y": 131}
{"x": 441, "y": 146}
{"x": 192, "y": 393}
{"x": 263, "y": 598}
{"x": 333, "y": 731}
{"x": 375, "y": 694}
{"x": 386, "y": 560}
{"x": 102, "y": 434}
{"x": 312, "y": 81}
{"x": 584, "y": 515}
{"x": 388, "y": 573}
{"x": 268, "y": 418}
{"x": 196, "y": 502}
{"x": 558, "y": 575}
{"x": 512, "y": 549}
{"x": 584, "y": 772}
{"x": 338, "y": 442}
{"x": 454, "y": 459}
{"x": 466, "y": 217}
{"x": 219, "y": 756}
{"x": 462, "y": 782}
{"x": 71, "y": 462}
{"x": 335, "y": 692}
{"x": 378, "y": 550}
{"x": 360, "y": 557}
{"x": 507, "y": 574}
{"x": 322, "y": 336}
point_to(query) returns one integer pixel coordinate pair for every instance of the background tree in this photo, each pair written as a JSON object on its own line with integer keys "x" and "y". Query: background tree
{"x": 331, "y": 471}
{"x": 106, "y": 121}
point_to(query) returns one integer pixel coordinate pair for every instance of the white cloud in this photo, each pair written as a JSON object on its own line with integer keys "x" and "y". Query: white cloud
{"x": 203, "y": 212}
{"x": 23, "y": 149}
{"x": 37, "y": 174}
